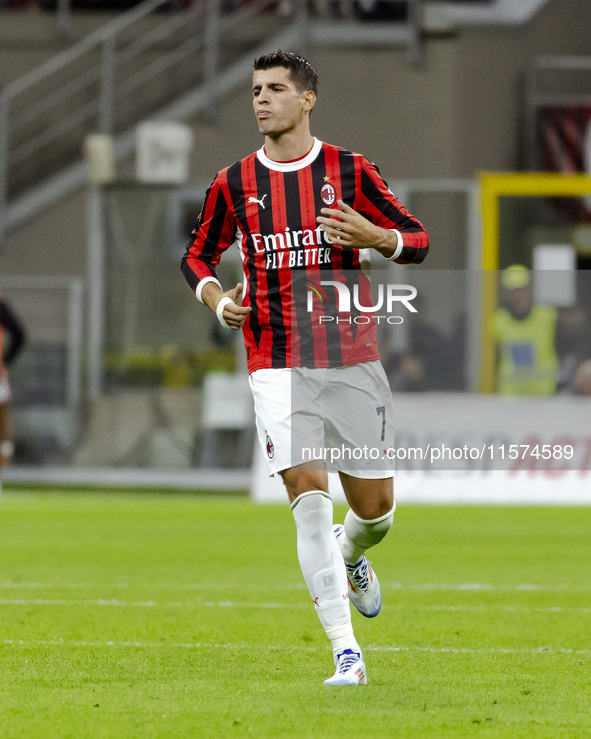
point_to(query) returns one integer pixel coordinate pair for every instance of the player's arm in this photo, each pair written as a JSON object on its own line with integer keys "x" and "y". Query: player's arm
{"x": 406, "y": 242}
{"x": 215, "y": 232}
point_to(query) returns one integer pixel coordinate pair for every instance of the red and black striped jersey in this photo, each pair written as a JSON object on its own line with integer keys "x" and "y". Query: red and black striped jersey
{"x": 269, "y": 209}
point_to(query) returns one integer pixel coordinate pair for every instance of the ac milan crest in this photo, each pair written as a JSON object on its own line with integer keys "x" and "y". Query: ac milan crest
{"x": 270, "y": 447}
{"x": 328, "y": 194}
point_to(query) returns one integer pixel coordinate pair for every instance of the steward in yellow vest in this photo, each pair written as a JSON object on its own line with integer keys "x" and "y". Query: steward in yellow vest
{"x": 526, "y": 336}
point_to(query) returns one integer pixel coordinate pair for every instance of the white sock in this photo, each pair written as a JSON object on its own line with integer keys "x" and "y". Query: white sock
{"x": 361, "y": 534}
{"x": 323, "y": 567}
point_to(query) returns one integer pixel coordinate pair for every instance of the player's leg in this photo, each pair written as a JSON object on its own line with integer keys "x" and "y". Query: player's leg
{"x": 368, "y": 520}
{"x": 323, "y": 568}
{"x": 370, "y": 515}
{"x": 361, "y": 423}
{"x": 307, "y": 486}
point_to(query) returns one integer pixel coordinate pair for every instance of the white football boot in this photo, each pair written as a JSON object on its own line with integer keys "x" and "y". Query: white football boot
{"x": 364, "y": 588}
{"x": 350, "y": 669}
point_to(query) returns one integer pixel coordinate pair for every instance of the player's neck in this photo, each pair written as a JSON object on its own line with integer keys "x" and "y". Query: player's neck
{"x": 288, "y": 147}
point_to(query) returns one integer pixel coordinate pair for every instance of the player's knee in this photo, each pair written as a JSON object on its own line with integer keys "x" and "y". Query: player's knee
{"x": 368, "y": 532}
{"x": 382, "y": 523}
{"x": 369, "y": 498}
{"x": 373, "y": 504}
{"x": 376, "y": 508}
{"x": 301, "y": 479}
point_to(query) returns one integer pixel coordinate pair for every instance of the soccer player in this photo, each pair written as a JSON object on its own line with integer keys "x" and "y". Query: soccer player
{"x": 300, "y": 211}
{"x": 10, "y": 324}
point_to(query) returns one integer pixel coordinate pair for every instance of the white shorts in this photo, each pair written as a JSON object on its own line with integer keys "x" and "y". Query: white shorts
{"x": 342, "y": 416}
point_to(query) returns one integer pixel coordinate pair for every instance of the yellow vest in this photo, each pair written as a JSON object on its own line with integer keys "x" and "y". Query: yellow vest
{"x": 528, "y": 362}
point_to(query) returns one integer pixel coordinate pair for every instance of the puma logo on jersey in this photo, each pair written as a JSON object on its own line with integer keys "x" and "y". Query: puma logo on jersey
{"x": 256, "y": 200}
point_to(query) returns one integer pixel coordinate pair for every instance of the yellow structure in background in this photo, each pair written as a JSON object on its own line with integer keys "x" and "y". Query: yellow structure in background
{"x": 493, "y": 186}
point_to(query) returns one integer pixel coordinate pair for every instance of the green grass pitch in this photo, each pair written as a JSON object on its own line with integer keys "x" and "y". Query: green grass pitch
{"x": 169, "y": 615}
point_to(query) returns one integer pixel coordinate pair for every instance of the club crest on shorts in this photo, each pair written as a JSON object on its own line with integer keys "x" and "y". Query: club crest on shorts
{"x": 328, "y": 194}
{"x": 270, "y": 447}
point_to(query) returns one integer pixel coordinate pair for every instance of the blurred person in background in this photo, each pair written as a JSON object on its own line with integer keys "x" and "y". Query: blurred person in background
{"x": 525, "y": 334}
{"x": 12, "y": 337}
{"x": 582, "y": 381}
{"x": 573, "y": 344}
{"x": 432, "y": 362}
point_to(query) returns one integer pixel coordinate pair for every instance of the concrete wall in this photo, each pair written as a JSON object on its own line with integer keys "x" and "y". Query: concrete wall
{"x": 456, "y": 115}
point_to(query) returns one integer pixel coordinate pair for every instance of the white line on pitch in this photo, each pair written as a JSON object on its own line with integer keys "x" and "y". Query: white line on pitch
{"x": 289, "y": 648}
{"x": 500, "y": 607}
{"x": 451, "y": 587}
{"x": 468, "y": 650}
{"x": 141, "y": 604}
{"x": 489, "y": 587}
{"x": 112, "y": 602}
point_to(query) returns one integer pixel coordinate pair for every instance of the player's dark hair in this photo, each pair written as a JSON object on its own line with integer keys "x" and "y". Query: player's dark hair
{"x": 301, "y": 71}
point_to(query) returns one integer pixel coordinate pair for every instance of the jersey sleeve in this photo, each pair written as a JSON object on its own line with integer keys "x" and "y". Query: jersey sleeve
{"x": 214, "y": 233}
{"x": 376, "y": 202}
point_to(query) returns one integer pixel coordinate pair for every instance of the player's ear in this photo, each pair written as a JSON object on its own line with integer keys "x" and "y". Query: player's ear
{"x": 309, "y": 100}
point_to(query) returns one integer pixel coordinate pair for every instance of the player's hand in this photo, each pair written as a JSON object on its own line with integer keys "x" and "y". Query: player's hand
{"x": 3, "y": 373}
{"x": 234, "y": 315}
{"x": 348, "y": 228}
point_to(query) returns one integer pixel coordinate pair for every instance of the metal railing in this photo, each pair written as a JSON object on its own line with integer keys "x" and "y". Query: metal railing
{"x": 46, "y": 114}
{"x": 138, "y": 66}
